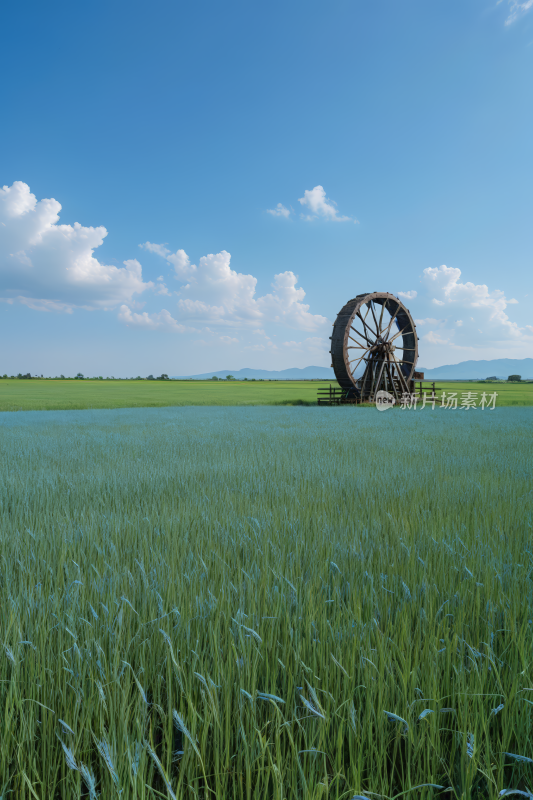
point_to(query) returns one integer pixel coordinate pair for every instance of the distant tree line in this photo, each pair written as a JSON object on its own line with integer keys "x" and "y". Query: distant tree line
{"x": 164, "y": 377}
{"x": 81, "y": 377}
{"x": 510, "y": 379}
{"x": 232, "y": 378}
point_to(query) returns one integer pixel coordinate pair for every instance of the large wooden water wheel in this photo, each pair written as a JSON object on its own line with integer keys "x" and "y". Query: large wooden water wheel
{"x": 374, "y": 346}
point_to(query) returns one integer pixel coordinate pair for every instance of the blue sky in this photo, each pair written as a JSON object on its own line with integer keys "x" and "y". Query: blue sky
{"x": 144, "y": 147}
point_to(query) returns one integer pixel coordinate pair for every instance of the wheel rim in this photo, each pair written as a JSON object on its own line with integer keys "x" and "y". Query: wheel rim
{"x": 374, "y": 345}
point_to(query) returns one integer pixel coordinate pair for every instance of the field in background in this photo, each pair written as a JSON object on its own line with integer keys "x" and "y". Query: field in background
{"x": 265, "y": 603}
{"x": 25, "y": 395}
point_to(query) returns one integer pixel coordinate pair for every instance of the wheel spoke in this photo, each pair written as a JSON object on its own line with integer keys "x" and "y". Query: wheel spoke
{"x": 381, "y": 315}
{"x": 392, "y": 320}
{"x": 368, "y": 310}
{"x": 398, "y": 334}
{"x": 351, "y": 337}
{"x": 388, "y": 387}
{"x": 365, "y": 323}
{"x": 352, "y": 371}
{"x": 364, "y": 379}
{"x": 380, "y": 374}
{"x": 375, "y": 320}
{"x": 401, "y": 376}
{"x": 358, "y": 346}
{"x": 391, "y": 379}
{"x": 366, "y": 328}
{"x": 372, "y": 374}
{"x": 362, "y": 335}
{"x": 358, "y": 362}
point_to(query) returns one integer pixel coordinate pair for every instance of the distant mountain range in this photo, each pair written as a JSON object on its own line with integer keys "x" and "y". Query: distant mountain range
{"x": 471, "y": 370}
{"x": 465, "y": 370}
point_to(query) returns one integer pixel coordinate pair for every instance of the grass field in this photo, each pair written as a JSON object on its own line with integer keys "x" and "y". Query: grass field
{"x": 265, "y": 603}
{"x": 25, "y": 395}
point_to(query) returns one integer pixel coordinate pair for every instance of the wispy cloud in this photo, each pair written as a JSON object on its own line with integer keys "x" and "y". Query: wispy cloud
{"x": 315, "y": 345}
{"x": 38, "y": 304}
{"x": 279, "y": 211}
{"x": 430, "y": 321}
{"x": 518, "y": 10}
{"x": 162, "y": 320}
{"x": 161, "y": 287}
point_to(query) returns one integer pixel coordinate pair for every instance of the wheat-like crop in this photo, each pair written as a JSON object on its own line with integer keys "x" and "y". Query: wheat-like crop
{"x": 266, "y": 603}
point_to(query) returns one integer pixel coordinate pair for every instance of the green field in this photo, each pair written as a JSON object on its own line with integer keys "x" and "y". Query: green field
{"x": 26, "y": 395}
{"x": 265, "y": 603}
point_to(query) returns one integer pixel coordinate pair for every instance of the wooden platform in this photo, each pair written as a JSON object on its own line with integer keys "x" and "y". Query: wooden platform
{"x": 336, "y": 396}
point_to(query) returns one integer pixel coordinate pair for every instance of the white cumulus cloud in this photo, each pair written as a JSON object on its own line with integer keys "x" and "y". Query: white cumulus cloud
{"x": 179, "y": 260}
{"x": 445, "y": 282}
{"x": 285, "y": 304}
{"x": 321, "y": 206}
{"x": 215, "y": 294}
{"x": 51, "y": 267}
{"x": 476, "y": 321}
